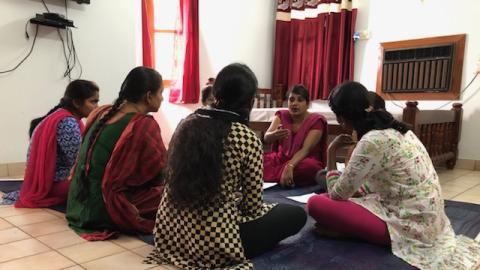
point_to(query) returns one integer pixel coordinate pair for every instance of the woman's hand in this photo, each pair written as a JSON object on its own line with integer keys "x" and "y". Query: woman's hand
{"x": 286, "y": 180}
{"x": 340, "y": 141}
{"x": 280, "y": 133}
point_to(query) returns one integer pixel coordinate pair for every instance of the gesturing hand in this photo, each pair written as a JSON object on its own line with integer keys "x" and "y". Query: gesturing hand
{"x": 280, "y": 133}
{"x": 341, "y": 141}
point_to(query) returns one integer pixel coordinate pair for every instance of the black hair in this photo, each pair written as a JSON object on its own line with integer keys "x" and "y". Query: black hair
{"x": 206, "y": 93}
{"x": 234, "y": 89}
{"x": 136, "y": 85}
{"x": 377, "y": 102}
{"x": 301, "y": 90}
{"x": 350, "y": 100}
{"x": 195, "y": 160}
{"x": 77, "y": 90}
{"x": 210, "y": 81}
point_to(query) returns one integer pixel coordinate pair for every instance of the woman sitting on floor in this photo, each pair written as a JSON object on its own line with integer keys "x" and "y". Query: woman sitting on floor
{"x": 55, "y": 141}
{"x": 117, "y": 181}
{"x": 212, "y": 215}
{"x": 405, "y": 208}
{"x": 299, "y": 141}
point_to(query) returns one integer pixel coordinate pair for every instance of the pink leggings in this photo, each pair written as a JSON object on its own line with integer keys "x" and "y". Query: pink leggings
{"x": 348, "y": 218}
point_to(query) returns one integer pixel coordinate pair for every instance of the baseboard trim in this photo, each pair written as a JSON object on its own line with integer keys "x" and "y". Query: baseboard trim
{"x": 468, "y": 164}
{"x": 12, "y": 169}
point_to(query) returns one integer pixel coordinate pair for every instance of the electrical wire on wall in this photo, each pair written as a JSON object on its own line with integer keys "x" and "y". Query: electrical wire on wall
{"x": 68, "y": 48}
{"x": 461, "y": 92}
{"x": 72, "y": 59}
{"x": 447, "y": 103}
{"x": 28, "y": 54}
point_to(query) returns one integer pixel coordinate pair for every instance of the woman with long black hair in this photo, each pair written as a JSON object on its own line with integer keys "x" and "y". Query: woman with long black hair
{"x": 117, "y": 181}
{"x": 212, "y": 215}
{"x": 404, "y": 208}
{"x": 55, "y": 140}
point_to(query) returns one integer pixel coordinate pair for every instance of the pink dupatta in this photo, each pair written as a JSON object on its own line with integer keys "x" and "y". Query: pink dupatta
{"x": 41, "y": 163}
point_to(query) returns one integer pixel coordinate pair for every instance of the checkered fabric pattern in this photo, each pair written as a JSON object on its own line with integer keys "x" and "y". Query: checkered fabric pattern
{"x": 210, "y": 238}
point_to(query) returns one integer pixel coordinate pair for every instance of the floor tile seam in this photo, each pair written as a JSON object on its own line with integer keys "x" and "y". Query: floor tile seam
{"x": 37, "y": 210}
{"x": 126, "y": 247}
{"x": 31, "y": 255}
{"x": 105, "y": 257}
{"x": 40, "y": 235}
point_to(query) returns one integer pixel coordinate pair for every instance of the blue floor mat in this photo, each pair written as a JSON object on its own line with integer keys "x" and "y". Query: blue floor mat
{"x": 8, "y": 186}
{"x": 306, "y": 251}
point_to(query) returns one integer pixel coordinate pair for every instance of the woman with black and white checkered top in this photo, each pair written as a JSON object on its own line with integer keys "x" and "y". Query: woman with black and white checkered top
{"x": 212, "y": 214}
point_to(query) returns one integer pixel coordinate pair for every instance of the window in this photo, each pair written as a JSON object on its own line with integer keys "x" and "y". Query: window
{"x": 172, "y": 27}
{"x": 166, "y": 15}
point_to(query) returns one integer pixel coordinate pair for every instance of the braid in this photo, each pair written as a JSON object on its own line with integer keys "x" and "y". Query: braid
{"x": 34, "y": 123}
{"x": 83, "y": 181}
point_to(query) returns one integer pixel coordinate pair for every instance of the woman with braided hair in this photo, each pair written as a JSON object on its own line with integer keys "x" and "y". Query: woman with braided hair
{"x": 117, "y": 181}
{"x": 55, "y": 141}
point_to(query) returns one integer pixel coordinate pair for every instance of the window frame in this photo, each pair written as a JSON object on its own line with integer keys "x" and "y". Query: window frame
{"x": 167, "y": 82}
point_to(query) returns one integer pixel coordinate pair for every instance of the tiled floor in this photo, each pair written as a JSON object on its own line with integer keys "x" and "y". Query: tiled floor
{"x": 41, "y": 239}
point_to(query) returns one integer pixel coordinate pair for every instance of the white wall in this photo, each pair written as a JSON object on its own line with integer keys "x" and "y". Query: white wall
{"x": 390, "y": 20}
{"x": 230, "y": 31}
{"x": 108, "y": 44}
{"x": 247, "y": 36}
{"x": 105, "y": 43}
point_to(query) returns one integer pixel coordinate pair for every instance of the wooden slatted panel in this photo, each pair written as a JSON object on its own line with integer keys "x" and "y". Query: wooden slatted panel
{"x": 417, "y": 69}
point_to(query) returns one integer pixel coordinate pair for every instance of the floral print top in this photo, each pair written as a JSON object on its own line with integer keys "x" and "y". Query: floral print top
{"x": 406, "y": 194}
{"x": 69, "y": 140}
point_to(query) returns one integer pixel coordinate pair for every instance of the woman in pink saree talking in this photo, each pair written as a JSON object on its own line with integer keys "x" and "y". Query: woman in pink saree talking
{"x": 298, "y": 140}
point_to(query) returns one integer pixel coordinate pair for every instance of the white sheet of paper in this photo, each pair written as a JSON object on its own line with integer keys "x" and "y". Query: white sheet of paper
{"x": 340, "y": 166}
{"x": 478, "y": 237}
{"x": 268, "y": 185}
{"x": 302, "y": 198}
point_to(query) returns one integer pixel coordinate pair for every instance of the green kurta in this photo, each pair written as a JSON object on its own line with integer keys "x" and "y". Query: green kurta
{"x": 91, "y": 214}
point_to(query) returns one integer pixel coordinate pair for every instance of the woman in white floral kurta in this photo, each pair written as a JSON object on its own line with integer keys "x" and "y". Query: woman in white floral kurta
{"x": 406, "y": 193}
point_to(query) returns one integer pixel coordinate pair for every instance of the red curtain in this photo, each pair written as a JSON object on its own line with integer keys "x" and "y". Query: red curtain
{"x": 187, "y": 88}
{"x": 314, "y": 44}
{"x": 148, "y": 40}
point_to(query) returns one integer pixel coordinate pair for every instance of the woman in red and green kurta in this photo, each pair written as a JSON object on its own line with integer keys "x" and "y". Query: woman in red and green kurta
{"x": 117, "y": 182}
